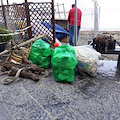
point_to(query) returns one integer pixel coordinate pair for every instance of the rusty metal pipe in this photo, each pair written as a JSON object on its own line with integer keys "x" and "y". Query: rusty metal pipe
{"x": 53, "y": 21}
{"x": 28, "y": 19}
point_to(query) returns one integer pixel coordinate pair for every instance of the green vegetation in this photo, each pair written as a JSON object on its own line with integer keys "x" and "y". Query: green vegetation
{"x": 5, "y": 38}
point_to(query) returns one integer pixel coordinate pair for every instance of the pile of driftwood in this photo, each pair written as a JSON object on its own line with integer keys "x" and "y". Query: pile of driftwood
{"x": 104, "y": 38}
{"x": 27, "y": 69}
{"x": 102, "y": 43}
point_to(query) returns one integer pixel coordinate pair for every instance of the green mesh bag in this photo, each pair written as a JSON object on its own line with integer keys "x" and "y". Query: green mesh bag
{"x": 64, "y": 62}
{"x": 40, "y": 54}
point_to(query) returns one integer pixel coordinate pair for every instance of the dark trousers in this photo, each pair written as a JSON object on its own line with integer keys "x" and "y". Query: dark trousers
{"x": 71, "y": 31}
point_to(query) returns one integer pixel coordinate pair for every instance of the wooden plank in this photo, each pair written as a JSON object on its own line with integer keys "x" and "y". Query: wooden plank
{"x": 23, "y": 44}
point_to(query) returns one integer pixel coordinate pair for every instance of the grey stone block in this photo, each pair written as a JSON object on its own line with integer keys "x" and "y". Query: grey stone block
{"x": 109, "y": 115}
{"x": 37, "y": 114}
{"x": 19, "y": 103}
{"x": 50, "y": 101}
{"x": 4, "y": 113}
{"x": 110, "y": 99}
{"x": 70, "y": 115}
{"x": 89, "y": 108}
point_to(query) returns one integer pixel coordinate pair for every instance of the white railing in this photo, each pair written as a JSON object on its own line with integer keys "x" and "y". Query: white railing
{"x": 90, "y": 13}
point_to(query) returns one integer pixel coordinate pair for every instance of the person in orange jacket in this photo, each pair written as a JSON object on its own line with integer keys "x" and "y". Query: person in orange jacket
{"x": 71, "y": 17}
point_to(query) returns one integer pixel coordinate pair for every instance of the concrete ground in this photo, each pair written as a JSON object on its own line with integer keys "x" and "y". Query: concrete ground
{"x": 87, "y": 98}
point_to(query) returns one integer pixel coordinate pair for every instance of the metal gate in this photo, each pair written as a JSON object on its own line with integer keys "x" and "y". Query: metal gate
{"x": 33, "y": 18}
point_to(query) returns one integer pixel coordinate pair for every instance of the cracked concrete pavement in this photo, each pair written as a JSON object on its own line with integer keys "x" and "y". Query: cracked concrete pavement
{"x": 87, "y": 98}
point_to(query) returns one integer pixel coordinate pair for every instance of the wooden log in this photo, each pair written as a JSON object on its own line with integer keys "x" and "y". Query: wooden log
{"x": 24, "y": 73}
{"x": 23, "y": 44}
{"x": 25, "y": 60}
{"x": 31, "y": 67}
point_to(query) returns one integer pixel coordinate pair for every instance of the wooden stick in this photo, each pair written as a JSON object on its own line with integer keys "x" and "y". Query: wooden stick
{"x": 23, "y": 44}
{"x": 31, "y": 67}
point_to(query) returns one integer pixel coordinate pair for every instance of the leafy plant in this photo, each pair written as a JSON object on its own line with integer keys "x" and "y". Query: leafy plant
{"x": 5, "y": 38}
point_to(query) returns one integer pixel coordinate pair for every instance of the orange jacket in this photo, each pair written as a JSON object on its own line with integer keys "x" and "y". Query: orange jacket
{"x": 72, "y": 14}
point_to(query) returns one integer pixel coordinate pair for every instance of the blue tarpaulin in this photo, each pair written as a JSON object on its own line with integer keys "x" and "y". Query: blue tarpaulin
{"x": 60, "y": 32}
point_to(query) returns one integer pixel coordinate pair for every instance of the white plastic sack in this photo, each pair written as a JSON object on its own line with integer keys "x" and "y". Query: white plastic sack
{"x": 87, "y": 59}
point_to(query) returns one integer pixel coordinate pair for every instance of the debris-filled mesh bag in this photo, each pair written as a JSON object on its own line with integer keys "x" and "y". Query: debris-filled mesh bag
{"x": 63, "y": 63}
{"x": 40, "y": 54}
{"x": 103, "y": 43}
{"x": 87, "y": 60}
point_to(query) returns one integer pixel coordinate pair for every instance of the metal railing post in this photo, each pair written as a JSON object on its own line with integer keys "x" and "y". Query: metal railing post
{"x": 28, "y": 19}
{"x": 58, "y": 10}
{"x": 96, "y": 27}
{"x": 53, "y": 21}
{"x": 3, "y": 9}
{"x": 75, "y": 24}
{"x": 64, "y": 10}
